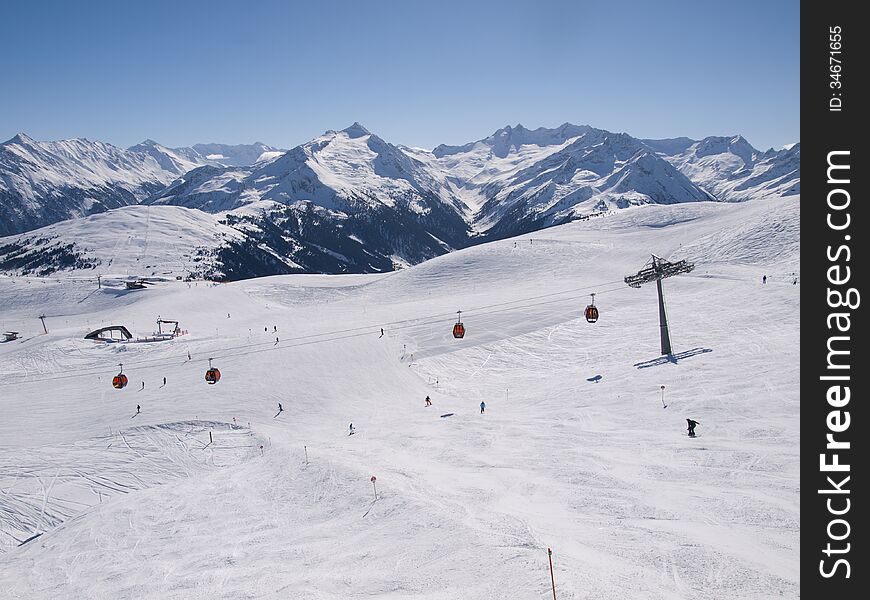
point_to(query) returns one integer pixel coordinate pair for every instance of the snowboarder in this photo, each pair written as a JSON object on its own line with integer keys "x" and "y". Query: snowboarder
{"x": 764, "y": 279}
{"x": 692, "y": 424}
{"x": 138, "y": 408}
{"x": 350, "y": 429}
{"x": 428, "y": 401}
{"x": 482, "y": 406}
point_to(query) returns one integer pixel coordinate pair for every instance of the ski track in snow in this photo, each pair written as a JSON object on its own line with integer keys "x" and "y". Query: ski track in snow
{"x": 145, "y": 507}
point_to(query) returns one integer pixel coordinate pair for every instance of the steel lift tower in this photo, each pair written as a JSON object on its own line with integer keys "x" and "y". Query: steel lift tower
{"x": 656, "y": 270}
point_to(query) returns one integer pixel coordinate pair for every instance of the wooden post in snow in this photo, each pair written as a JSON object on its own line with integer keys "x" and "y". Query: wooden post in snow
{"x": 552, "y": 579}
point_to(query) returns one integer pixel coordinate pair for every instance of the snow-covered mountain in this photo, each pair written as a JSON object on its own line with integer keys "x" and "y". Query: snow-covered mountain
{"x": 45, "y": 182}
{"x": 521, "y": 180}
{"x": 732, "y": 170}
{"x": 233, "y": 155}
{"x": 348, "y": 201}
{"x": 364, "y": 201}
{"x": 190, "y": 157}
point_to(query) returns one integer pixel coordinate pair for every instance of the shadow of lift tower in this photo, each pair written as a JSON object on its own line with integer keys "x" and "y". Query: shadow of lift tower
{"x": 656, "y": 270}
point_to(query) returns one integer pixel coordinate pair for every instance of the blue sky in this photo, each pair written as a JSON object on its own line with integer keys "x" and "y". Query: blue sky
{"x": 415, "y": 73}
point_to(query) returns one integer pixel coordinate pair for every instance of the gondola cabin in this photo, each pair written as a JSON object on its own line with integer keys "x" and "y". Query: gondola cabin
{"x": 591, "y": 313}
{"x": 119, "y": 381}
{"x": 213, "y": 375}
{"x": 459, "y": 328}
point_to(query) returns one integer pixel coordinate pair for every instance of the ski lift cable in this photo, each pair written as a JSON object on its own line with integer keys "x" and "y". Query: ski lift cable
{"x": 335, "y": 335}
{"x": 243, "y": 350}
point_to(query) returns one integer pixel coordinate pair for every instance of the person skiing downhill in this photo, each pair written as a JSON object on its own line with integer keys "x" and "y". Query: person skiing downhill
{"x": 482, "y": 406}
{"x": 692, "y": 424}
{"x": 764, "y": 279}
{"x": 280, "y": 408}
{"x": 350, "y": 428}
{"x": 138, "y": 409}
{"x": 428, "y": 401}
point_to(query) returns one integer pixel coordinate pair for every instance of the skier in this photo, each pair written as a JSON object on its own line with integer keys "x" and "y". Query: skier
{"x": 188, "y": 356}
{"x": 350, "y": 432}
{"x": 228, "y": 315}
{"x": 382, "y": 333}
{"x": 266, "y": 329}
{"x": 764, "y": 279}
{"x": 274, "y": 328}
{"x": 692, "y": 424}
{"x": 482, "y": 406}
{"x": 164, "y": 381}
{"x": 276, "y": 340}
{"x": 138, "y": 408}
{"x": 428, "y": 401}
{"x": 280, "y": 408}
{"x": 143, "y": 386}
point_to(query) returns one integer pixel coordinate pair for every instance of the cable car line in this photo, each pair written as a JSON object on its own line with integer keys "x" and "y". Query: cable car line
{"x": 304, "y": 340}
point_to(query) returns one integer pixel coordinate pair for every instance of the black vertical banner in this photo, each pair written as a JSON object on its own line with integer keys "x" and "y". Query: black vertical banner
{"x": 834, "y": 426}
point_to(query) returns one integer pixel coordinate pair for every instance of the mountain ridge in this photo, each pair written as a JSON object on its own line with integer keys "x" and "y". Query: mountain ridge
{"x": 349, "y": 201}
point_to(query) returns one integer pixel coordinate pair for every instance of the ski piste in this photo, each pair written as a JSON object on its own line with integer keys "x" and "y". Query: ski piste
{"x": 460, "y": 496}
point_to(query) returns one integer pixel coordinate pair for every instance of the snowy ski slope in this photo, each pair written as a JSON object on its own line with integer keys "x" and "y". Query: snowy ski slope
{"x": 143, "y": 506}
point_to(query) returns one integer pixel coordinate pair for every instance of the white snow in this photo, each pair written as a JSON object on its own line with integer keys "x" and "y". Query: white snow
{"x": 137, "y": 241}
{"x": 140, "y": 506}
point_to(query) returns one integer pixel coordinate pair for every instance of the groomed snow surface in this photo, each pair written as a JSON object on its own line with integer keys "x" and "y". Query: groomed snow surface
{"x": 574, "y": 452}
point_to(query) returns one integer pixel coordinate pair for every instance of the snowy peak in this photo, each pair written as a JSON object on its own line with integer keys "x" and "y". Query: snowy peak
{"x": 356, "y": 130}
{"x": 596, "y": 172}
{"x": 19, "y": 138}
{"x": 731, "y": 169}
{"x": 736, "y": 145}
{"x": 509, "y": 139}
{"x": 233, "y": 155}
{"x": 169, "y": 160}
